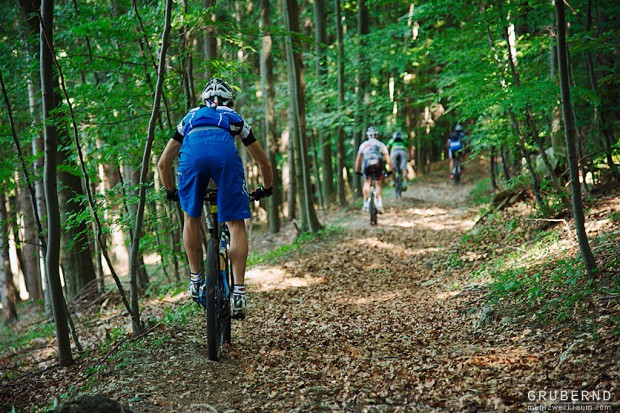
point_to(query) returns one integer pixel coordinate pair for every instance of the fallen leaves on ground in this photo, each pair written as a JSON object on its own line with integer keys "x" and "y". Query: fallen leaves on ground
{"x": 372, "y": 319}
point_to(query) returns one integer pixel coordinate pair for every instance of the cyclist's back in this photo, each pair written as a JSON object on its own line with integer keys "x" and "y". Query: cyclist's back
{"x": 456, "y": 139}
{"x": 373, "y": 151}
{"x": 399, "y": 147}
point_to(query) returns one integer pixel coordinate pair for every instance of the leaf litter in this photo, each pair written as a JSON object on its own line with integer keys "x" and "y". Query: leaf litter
{"x": 370, "y": 319}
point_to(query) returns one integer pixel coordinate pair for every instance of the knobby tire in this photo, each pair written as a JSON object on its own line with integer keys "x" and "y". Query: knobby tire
{"x": 228, "y": 314}
{"x": 372, "y": 208}
{"x": 398, "y": 183}
{"x": 214, "y": 342}
{"x": 457, "y": 170}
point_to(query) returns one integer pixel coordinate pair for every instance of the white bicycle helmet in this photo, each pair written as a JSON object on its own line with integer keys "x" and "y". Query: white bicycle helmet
{"x": 458, "y": 128}
{"x": 372, "y": 132}
{"x": 397, "y": 135}
{"x": 220, "y": 92}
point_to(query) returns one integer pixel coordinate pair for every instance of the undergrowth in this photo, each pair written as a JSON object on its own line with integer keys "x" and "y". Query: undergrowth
{"x": 539, "y": 274}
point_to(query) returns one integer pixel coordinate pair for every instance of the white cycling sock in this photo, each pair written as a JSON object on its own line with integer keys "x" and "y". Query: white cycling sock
{"x": 239, "y": 289}
{"x": 196, "y": 277}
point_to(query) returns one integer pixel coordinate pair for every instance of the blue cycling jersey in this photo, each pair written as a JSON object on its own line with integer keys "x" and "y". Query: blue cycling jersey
{"x": 221, "y": 120}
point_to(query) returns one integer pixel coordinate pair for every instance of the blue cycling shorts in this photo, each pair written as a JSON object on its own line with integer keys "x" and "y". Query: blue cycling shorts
{"x": 204, "y": 156}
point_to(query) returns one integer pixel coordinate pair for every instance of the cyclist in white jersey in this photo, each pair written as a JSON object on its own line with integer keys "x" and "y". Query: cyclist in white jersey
{"x": 372, "y": 157}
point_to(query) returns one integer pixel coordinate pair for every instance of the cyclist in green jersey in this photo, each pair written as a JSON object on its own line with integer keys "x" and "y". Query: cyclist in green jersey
{"x": 399, "y": 152}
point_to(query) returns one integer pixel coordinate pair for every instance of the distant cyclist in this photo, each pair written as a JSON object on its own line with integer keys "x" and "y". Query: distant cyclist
{"x": 398, "y": 147}
{"x": 455, "y": 144}
{"x": 205, "y": 141}
{"x": 372, "y": 157}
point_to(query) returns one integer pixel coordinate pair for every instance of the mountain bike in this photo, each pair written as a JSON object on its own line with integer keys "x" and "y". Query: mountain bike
{"x": 373, "y": 196}
{"x": 457, "y": 169}
{"x": 216, "y": 293}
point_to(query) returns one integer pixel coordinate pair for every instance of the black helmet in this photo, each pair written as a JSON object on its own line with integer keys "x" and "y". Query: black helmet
{"x": 397, "y": 136}
{"x": 217, "y": 88}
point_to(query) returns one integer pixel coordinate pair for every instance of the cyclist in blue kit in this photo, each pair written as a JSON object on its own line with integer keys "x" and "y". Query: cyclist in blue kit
{"x": 204, "y": 143}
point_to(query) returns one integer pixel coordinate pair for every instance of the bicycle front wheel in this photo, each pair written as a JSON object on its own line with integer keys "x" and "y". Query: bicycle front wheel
{"x": 214, "y": 341}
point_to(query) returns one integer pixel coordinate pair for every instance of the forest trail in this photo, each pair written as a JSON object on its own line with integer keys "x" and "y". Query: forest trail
{"x": 360, "y": 322}
{"x": 365, "y": 319}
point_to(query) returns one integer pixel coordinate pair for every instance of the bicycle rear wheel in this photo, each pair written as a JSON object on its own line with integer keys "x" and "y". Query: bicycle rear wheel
{"x": 457, "y": 170}
{"x": 398, "y": 185}
{"x": 212, "y": 309}
{"x": 372, "y": 208}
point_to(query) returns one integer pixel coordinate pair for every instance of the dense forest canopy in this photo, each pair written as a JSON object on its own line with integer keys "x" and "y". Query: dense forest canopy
{"x": 417, "y": 67}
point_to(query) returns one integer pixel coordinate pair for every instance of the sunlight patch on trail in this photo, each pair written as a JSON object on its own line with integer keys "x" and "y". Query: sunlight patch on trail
{"x": 395, "y": 249}
{"x": 266, "y": 278}
{"x": 376, "y": 298}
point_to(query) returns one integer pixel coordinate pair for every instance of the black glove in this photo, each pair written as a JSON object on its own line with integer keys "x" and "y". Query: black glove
{"x": 172, "y": 195}
{"x": 359, "y": 173}
{"x": 261, "y": 192}
{"x": 387, "y": 173}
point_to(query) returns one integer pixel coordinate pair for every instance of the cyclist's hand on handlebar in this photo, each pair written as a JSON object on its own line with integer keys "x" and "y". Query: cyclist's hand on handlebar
{"x": 172, "y": 195}
{"x": 261, "y": 192}
{"x": 387, "y": 173}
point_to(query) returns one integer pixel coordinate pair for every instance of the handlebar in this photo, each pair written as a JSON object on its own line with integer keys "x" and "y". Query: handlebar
{"x": 261, "y": 193}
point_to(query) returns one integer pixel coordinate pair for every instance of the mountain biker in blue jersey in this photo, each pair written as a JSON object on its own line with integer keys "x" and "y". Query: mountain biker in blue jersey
{"x": 455, "y": 144}
{"x": 204, "y": 142}
{"x": 372, "y": 157}
{"x": 399, "y": 152}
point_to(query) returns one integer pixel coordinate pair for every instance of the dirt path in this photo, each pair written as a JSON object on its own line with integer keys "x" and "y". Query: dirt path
{"x": 373, "y": 319}
{"x": 363, "y": 322}
{"x": 369, "y": 319}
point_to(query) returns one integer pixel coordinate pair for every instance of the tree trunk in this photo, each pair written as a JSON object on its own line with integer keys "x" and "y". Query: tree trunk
{"x": 7, "y": 287}
{"x": 52, "y": 257}
{"x": 325, "y": 147}
{"x": 569, "y": 131}
{"x": 77, "y": 260}
{"x": 505, "y": 163}
{"x": 309, "y": 219}
{"x": 493, "y": 168}
{"x": 362, "y": 84}
{"x": 30, "y": 246}
{"x": 210, "y": 39}
{"x": 135, "y": 245}
{"x": 269, "y": 129}
{"x": 291, "y": 195}
{"x": 342, "y": 198}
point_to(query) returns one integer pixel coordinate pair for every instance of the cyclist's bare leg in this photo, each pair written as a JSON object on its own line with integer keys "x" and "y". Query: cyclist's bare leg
{"x": 193, "y": 242}
{"x": 366, "y": 188}
{"x": 238, "y": 249}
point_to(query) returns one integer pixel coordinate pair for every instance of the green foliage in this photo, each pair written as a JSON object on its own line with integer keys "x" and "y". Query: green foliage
{"x": 481, "y": 193}
{"x": 551, "y": 291}
{"x": 11, "y": 341}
